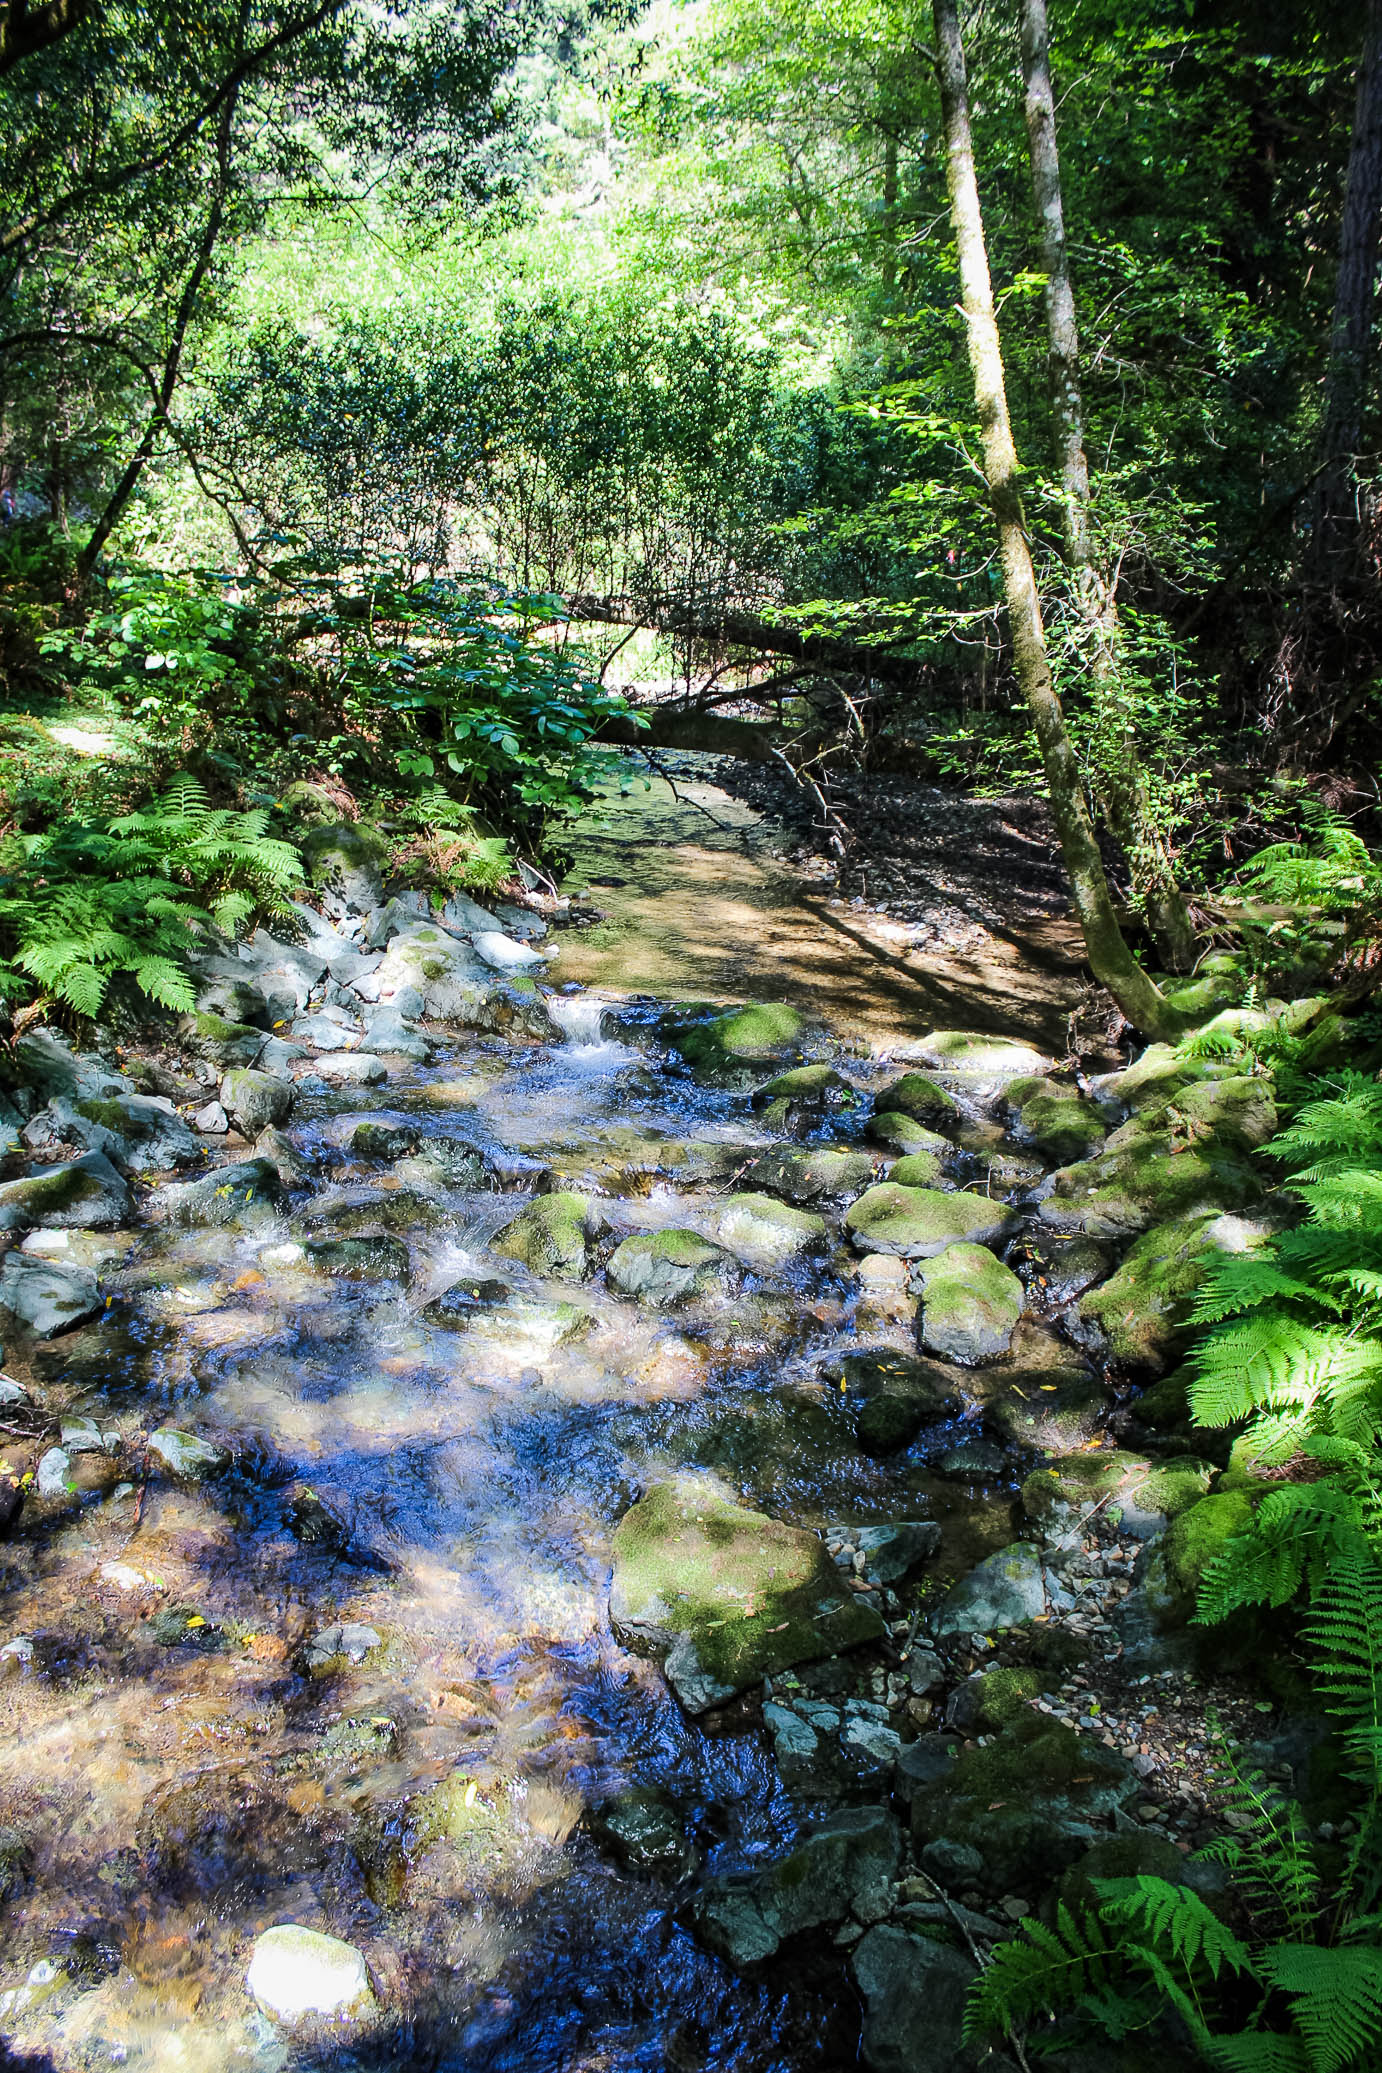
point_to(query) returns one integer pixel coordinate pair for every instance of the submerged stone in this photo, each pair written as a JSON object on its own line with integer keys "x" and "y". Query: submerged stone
{"x": 187, "y": 1455}
{"x": 730, "y": 1595}
{"x": 247, "y": 1193}
{"x": 764, "y": 1232}
{"x": 644, "y": 1829}
{"x": 825, "y": 1173}
{"x": 368, "y": 1256}
{"x": 846, "y": 1866}
{"x": 552, "y": 1236}
{"x": 48, "y": 1295}
{"x": 970, "y": 1306}
{"x": 296, "y": 1974}
{"x": 457, "y": 1307}
{"x": 666, "y": 1268}
{"x": 916, "y": 1223}
{"x": 384, "y": 1140}
{"x": 901, "y": 1397}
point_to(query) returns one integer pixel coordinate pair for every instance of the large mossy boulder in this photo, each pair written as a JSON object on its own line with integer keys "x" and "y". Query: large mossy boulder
{"x": 980, "y": 1056}
{"x": 346, "y": 864}
{"x": 153, "y": 1136}
{"x": 667, "y": 1268}
{"x": 922, "y": 1167}
{"x": 765, "y": 1233}
{"x": 813, "y": 1173}
{"x": 1064, "y": 1127}
{"x": 805, "y": 1087}
{"x": 1149, "y": 1180}
{"x": 1238, "y": 1112}
{"x": 1139, "y": 1316}
{"x": 916, "y": 1223}
{"x": 1157, "y": 1075}
{"x": 1194, "y": 1540}
{"x": 553, "y": 1236}
{"x": 730, "y": 1596}
{"x": 893, "y": 1132}
{"x": 1030, "y": 1802}
{"x": 970, "y": 1304}
{"x": 738, "y": 1044}
{"x": 1054, "y": 1410}
{"x": 220, "y": 1041}
{"x": 84, "y": 1194}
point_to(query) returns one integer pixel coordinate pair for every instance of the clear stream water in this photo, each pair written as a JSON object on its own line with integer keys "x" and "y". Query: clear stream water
{"x": 180, "y": 1776}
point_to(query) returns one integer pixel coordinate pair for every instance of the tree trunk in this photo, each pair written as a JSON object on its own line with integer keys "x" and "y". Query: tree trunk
{"x": 1112, "y": 961}
{"x": 1334, "y": 518}
{"x": 25, "y": 30}
{"x": 1124, "y": 787}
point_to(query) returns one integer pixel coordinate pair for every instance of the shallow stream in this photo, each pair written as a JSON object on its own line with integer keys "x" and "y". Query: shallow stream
{"x": 189, "y": 1753}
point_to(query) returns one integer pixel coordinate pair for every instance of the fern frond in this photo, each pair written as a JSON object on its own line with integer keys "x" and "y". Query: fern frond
{"x": 1345, "y": 1626}
{"x": 1258, "y": 2051}
{"x": 1336, "y": 1999}
{"x": 1271, "y": 1854}
{"x": 1042, "y": 1970}
{"x": 1176, "y": 1917}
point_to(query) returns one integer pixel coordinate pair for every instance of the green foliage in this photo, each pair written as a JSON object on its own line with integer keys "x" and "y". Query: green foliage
{"x": 85, "y": 902}
{"x": 1330, "y": 885}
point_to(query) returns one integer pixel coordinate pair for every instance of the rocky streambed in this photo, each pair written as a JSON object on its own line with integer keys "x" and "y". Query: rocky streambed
{"x": 547, "y": 1530}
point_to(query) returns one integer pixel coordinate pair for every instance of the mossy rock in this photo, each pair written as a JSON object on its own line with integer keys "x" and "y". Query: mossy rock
{"x": 915, "y": 1223}
{"x": 824, "y": 1173}
{"x": 806, "y": 1086}
{"x": 1133, "y": 1854}
{"x": 219, "y": 1041}
{"x": 666, "y": 1268}
{"x": 1163, "y": 1408}
{"x": 552, "y": 1236}
{"x": 1128, "y": 1490}
{"x": 384, "y": 1140}
{"x": 920, "y": 1098}
{"x": 1150, "y": 1180}
{"x": 975, "y": 1052}
{"x": 1139, "y": 1317}
{"x": 739, "y": 1042}
{"x": 897, "y": 1133}
{"x": 1055, "y": 1411}
{"x": 1239, "y": 1113}
{"x": 766, "y": 1233}
{"x": 1065, "y": 1127}
{"x": 900, "y": 1397}
{"x": 918, "y": 1169}
{"x": 85, "y": 1194}
{"x": 732, "y": 1595}
{"x": 1192, "y": 1542}
{"x": 1004, "y": 1694}
{"x": 1158, "y": 1074}
{"x": 970, "y": 1305}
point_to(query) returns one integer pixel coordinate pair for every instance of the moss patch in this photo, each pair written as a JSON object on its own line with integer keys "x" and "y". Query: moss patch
{"x": 1192, "y": 1542}
{"x": 552, "y": 1236}
{"x": 917, "y": 1222}
{"x": 920, "y": 1098}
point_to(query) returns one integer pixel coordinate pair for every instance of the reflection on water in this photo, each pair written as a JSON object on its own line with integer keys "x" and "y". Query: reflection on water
{"x": 182, "y": 1766}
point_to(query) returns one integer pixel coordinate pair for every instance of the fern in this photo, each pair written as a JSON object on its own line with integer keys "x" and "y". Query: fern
{"x": 1271, "y": 1855}
{"x": 1335, "y": 1996}
{"x": 1046, "y": 1970}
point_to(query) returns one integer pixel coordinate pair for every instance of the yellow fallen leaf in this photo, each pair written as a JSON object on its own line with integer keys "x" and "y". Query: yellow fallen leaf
{"x": 470, "y": 1792}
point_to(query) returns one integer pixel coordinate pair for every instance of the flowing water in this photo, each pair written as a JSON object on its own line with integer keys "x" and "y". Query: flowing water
{"x": 181, "y": 1767}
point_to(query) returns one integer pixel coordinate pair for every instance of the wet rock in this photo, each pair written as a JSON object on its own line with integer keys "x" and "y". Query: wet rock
{"x": 916, "y": 1223}
{"x": 292, "y": 1168}
{"x": 914, "y": 1991}
{"x": 915, "y": 1146}
{"x": 1068, "y": 1266}
{"x": 1055, "y": 1410}
{"x": 1140, "y": 1316}
{"x": 48, "y": 1062}
{"x": 184, "y": 1626}
{"x": 805, "y": 1087}
{"x": 368, "y": 1256}
{"x": 47, "y": 1295}
{"x": 346, "y": 866}
{"x": 220, "y": 1042}
{"x": 901, "y": 1397}
{"x": 212, "y": 1120}
{"x": 552, "y": 1235}
{"x": 389, "y": 1031}
{"x": 255, "y": 1101}
{"x": 85, "y": 1194}
{"x": 644, "y": 1829}
{"x": 735, "y": 1046}
{"x": 326, "y": 1032}
{"x": 502, "y": 954}
{"x": 920, "y": 1098}
{"x": 384, "y": 1140}
{"x": 350, "y": 1642}
{"x": 928, "y": 1761}
{"x": 139, "y": 1132}
{"x": 315, "y": 1519}
{"x": 402, "y": 912}
{"x": 869, "y": 1747}
{"x": 187, "y": 1455}
{"x": 84, "y": 1436}
{"x": 444, "y": 1161}
{"x": 351, "y": 1069}
{"x": 983, "y": 1057}
{"x": 895, "y": 1552}
{"x": 970, "y": 1305}
{"x": 825, "y": 1173}
{"x": 666, "y": 1268}
{"x": 54, "y": 1474}
{"x": 1066, "y": 1127}
{"x": 973, "y": 1461}
{"x": 298, "y": 1974}
{"x": 766, "y": 1233}
{"x": 732, "y": 1595}
{"x": 844, "y": 1867}
{"x": 1150, "y": 1180}
{"x": 246, "y": 1194}
{"x": 1138, "y": 1496}
{"x": 455, "y": 985}
{"x": 1004, "y": 1590}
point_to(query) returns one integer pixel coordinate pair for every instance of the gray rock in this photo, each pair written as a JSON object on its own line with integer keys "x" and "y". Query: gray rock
{"x": 916, "y": 1223}
{"x": 278, "y": 1056}
{"x": 502, "y": 954}
{"x": 46, "y": 1295}
{"x": 914, "y": 1992}
{"x": 212, "y": 1120}
{"x": 85, "y": 1194}
{"x": 645, "y": 1830}
{"x": 256, "y": 1100}
{"x": 921, "y": 1764}
{"x": 293, "y": 1170}
{"x": 463, "y": 915}
{"x": 345, "y": 865}
{"x": 844, "y": 1867}
{"x": 972, "y": 1461}
{"x": 868, "y": 1744}
{"x": 925, "y": 1671}
{"x": 952, "y": 1865}
{"x": 388, "y": 1031}
{"x": 1002, "y": 1591}
{"x": 669, "y": 1267}
{"x": 350, "y": 1640}
{"x": 54, "y": 1472}
{"x": 45, "y": 1061}
{"x": 895, "y": 1552}
{"x": 325, "y": 1032}
{"x": 187, "y": 1456}
{"x": 246, "y": 1194}
{"x": 767, "y": 1234}
{"x": 350, "y": 1069}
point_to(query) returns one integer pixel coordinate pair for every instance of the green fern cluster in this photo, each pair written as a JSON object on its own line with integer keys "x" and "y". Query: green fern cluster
{"x": 1296, "y": 1348}
{"x": 1329, "y": 885}
{"x": 85, "y": 901}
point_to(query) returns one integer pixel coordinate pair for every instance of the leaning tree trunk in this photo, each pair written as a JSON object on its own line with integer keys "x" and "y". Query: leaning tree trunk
{"x": 1113, "y": 962}
{"x": 1124, "y": 788}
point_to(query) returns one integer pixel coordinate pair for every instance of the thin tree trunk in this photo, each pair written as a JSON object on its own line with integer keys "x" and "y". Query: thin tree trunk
{"x": 1112, "y": 961}
{"x": 1334, "y": 527}
{"x": 1125, "y": 789}
{"x": 890, "y": 214}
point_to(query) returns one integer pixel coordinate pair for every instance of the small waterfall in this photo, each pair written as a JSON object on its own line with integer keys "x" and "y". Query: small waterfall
{"x": 581, "y": 1016}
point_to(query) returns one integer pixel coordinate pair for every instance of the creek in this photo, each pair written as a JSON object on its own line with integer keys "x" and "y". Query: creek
{"x": 191, "y": 1748}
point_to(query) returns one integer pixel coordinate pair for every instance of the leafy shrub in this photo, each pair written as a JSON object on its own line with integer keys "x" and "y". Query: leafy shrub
{"x": 86, "y": 901}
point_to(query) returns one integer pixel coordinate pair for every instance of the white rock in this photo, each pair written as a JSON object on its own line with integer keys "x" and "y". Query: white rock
{"x": 502, "y": 954}
{"x": 298, "y": 1972}
{"x": 211, "y": 1120}
{"x": 48, "y": 1245}
{"x": 53, "y": 1470}
{"x": 351, "y": 1068}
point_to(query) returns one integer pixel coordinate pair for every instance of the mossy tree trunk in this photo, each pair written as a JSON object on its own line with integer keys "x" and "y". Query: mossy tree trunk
{"x": 1124, "y": 786}
{"x": 1109, "y": 955}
